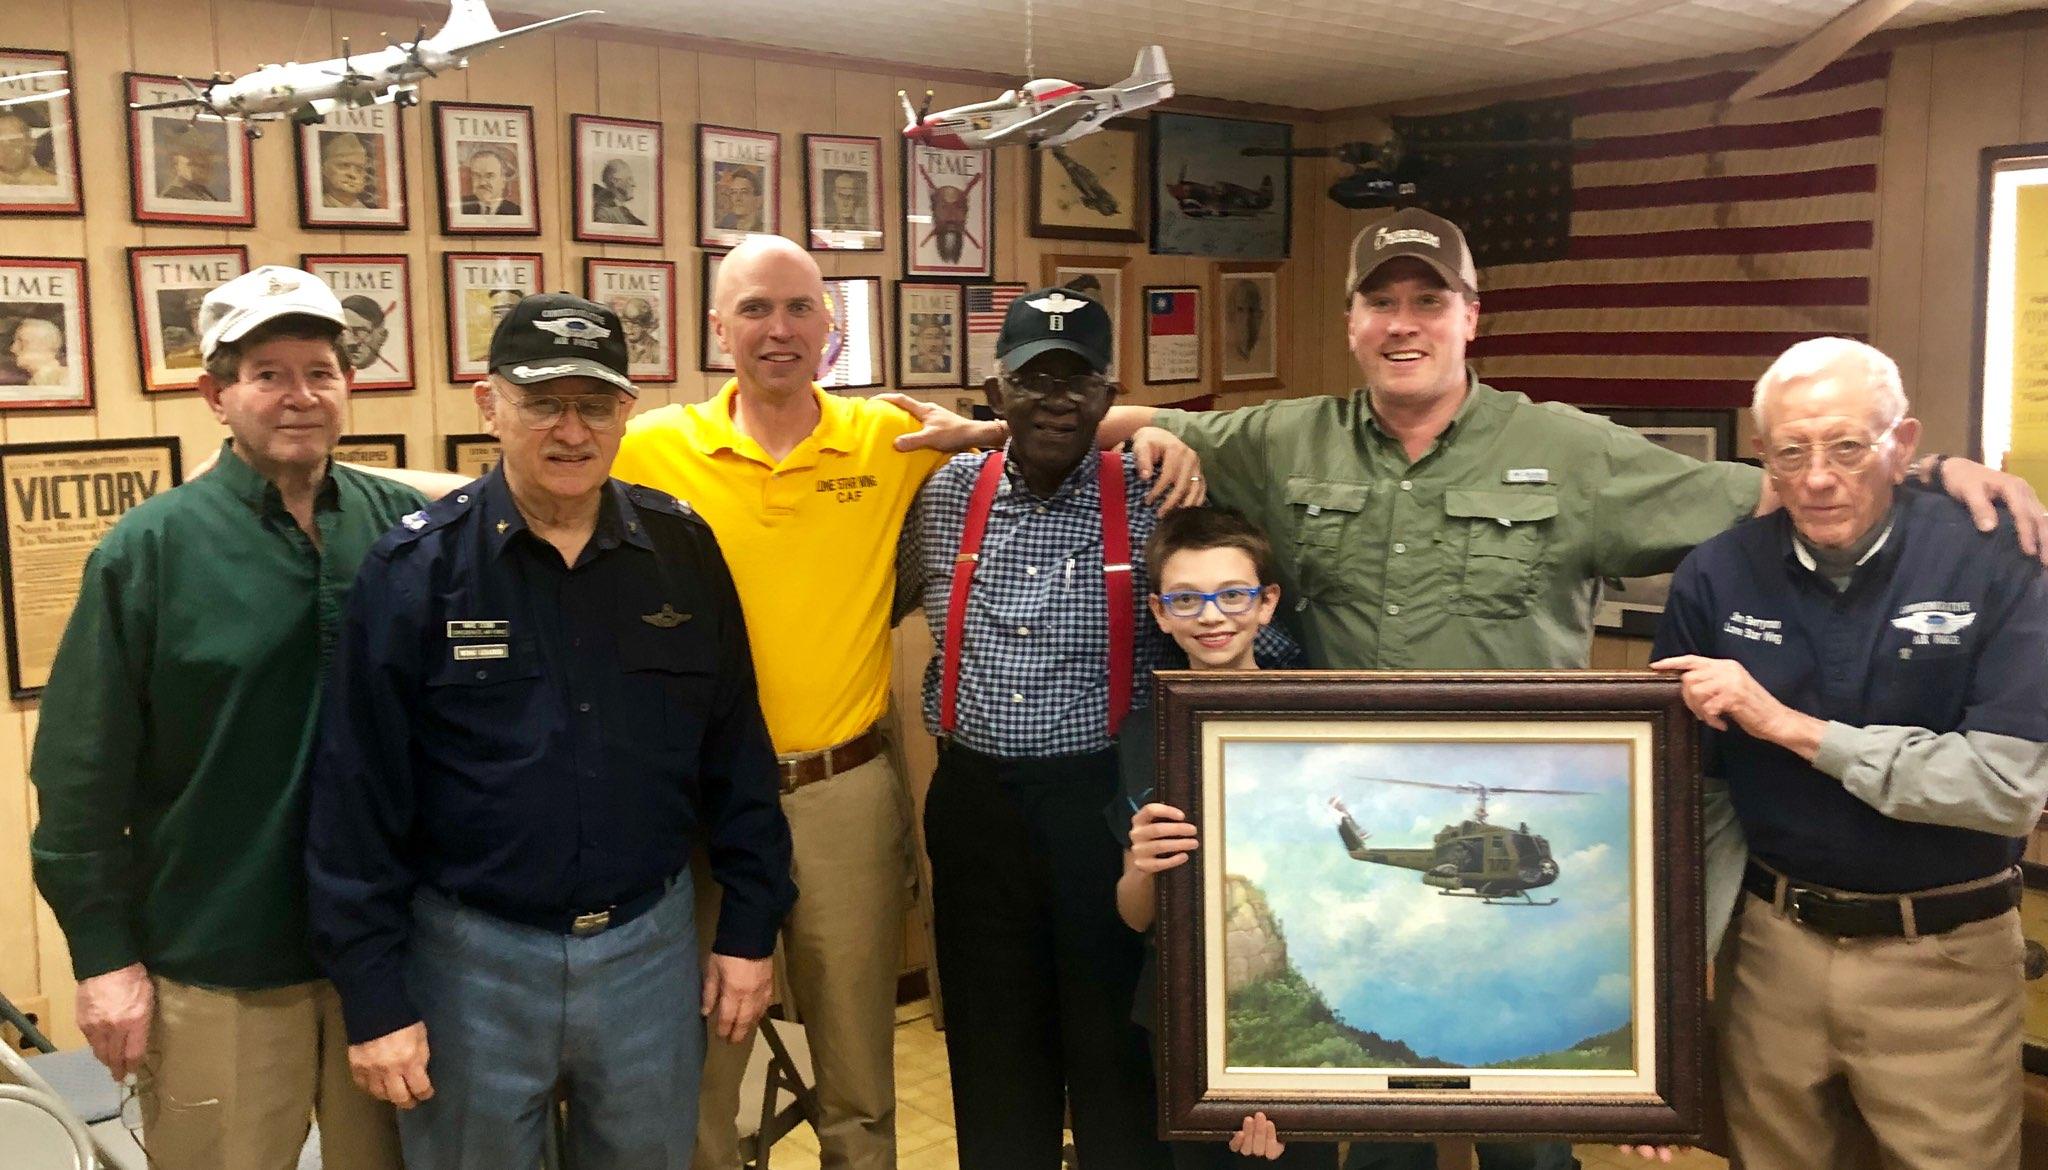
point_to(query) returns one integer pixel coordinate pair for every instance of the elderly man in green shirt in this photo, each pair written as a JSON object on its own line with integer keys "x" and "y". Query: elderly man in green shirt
{"x": 1430, "y": 522}
{"x": 170, "y": 756}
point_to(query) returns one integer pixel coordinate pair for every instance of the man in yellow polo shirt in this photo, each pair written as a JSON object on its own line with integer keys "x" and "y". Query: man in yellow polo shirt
{"x": 806, "y": 492}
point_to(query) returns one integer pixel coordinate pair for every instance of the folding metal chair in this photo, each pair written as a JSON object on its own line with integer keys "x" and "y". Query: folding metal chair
{"x": 75, "y": 1083}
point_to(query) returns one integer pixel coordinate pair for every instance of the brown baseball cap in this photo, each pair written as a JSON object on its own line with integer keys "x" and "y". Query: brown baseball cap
{"x": 1411, "y": 231}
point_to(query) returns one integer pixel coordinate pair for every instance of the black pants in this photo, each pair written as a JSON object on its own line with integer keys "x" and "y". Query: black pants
{"x": 1036, "y": 969}
{"x": 1492, "y": 1156}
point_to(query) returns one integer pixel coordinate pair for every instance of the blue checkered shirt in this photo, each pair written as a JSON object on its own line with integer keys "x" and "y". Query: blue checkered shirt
{"x": 1034, "y": 673}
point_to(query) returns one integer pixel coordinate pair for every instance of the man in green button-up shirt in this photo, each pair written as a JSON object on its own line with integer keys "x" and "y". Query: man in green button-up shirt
{"x": 1430, "y": 522}
{"x": 170, "y": 755}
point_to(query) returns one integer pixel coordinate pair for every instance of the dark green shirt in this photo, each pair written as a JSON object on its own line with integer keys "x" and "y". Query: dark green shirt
{"x": 1483, "y": 553}
{"x": 171, "y": 749}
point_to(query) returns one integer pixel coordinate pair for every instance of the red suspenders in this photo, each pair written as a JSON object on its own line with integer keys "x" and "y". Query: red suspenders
{"x": 1116, "y": 583}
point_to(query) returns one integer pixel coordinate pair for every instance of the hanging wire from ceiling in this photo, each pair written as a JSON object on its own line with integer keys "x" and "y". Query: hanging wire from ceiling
{"x": 1030, "y": 36}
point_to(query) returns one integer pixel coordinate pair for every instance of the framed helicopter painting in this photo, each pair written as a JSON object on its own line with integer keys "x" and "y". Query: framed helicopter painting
{"x": 1433, "y": 905}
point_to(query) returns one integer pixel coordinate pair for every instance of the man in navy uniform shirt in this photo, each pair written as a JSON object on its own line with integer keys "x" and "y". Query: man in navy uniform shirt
{"x": 543, "y": 699}
{"x": 1869, "y": 667}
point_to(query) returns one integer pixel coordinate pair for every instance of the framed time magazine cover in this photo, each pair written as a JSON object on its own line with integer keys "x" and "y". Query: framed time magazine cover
{"x": 484, "y": 169}
{"x": 352, "y": 170}
{"x": 481, "y": 288}
{"x": 1432, "y": 904}
{"x": 948, "y": 212}
{"x": 183, "y": 169}
{"x": 616, "y": 174}
{"x": 739, "y": 184}
{"x": 168, "y": 286}
{"x": 842, "y": 193}
{"x": 376, "y": 305}
{"x": 38, "y": 135}
{"x": 45, "y": 345}
{"x": 643, "y": 294}
{"x": 931, "y": 334}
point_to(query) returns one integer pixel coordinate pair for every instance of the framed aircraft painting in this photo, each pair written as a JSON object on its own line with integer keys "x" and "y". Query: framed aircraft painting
{"x": 1209, "y": 198}
{"x": 1432, "y": 904}
{"x": 1093, "y": 188}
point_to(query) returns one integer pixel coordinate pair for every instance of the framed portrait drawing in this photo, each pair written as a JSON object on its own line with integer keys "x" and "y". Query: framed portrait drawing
{"x": 45, "y": 344}
{"x": 169, "y": 284}
{"x": 184, "y": 169}
{"x": 38, "y": 135}
{"x": 376, "y": 303}
{"x": 484, "y": 170}
{"x": 1173, "y": 334}
{"x": 739, "y": 184}
{"x": 482, "y": 287}
{"x": 1209, "y": 198}
{"x": 617, "y": 178}
{"x": 930, "y": 334}
{"x": 1451, "y": 904}
{"x": 1102, "y": 278}
{"x": 852, "y": 358}
{"x": 352, "y": 170}
{"x": 2034, "y": 926}
{"x": 1248, "y": 324}
{"x": 1632, "y": 606}
{"x": 371, "y": 450}
{"x": 948, "y": 212}
{"x": 711, "y": 356}
{"x": 1093, "y": 188}
{"x": 988, "y": 302}
{"x": 472, "y": 455}
{"x": 842, "y": 193}
{"x": 643, "y": 294}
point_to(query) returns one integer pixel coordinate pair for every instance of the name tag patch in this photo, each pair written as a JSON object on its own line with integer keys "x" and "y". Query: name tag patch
{"x": 480, "y": 629}
{"x": 484, "y": 650}
{"x": 1527, "y": 475}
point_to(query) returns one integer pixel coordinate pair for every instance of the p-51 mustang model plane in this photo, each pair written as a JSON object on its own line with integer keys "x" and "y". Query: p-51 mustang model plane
{"x": 1046, "y": 112}
{"x": 309, "y": 92}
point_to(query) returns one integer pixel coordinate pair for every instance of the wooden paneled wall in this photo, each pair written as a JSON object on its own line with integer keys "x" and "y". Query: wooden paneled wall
{"x": 601, "y": 71}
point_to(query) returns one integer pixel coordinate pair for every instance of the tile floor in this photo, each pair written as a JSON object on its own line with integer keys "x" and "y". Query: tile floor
{"x": 924, "y": 1113}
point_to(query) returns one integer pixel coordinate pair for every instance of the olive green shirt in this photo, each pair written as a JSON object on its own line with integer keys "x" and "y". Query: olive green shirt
{"x": 1485, "y": 552}
{"x": 171, "y": 750}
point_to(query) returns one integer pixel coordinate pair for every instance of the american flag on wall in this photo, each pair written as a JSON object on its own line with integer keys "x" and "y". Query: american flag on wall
{"x": 1666, "y": 261}
{"x": 986, "y": 305}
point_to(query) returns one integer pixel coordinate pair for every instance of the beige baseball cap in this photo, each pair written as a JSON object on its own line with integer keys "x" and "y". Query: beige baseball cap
{"x": 1411, "y": 231}
{"x": 229, "y": 312}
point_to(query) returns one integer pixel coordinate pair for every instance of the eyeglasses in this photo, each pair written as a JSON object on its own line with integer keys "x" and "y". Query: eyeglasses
{"x": 1050, "y": 385}
{"x": 1789, "y": 459}
{"x": 1231, "y": 600}
{"x": 599, "y": 412}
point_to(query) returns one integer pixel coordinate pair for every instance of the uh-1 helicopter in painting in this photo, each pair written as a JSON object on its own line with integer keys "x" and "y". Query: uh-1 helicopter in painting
{"x": 1473, "y": 858}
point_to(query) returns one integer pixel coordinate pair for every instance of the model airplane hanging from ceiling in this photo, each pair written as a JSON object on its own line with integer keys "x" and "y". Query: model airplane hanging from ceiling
{"x": 1046, "y": 112}
{"x": 309, "y": 92}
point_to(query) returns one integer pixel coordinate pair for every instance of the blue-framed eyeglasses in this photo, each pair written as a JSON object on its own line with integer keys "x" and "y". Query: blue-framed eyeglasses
{"x": 1232, "y": 600}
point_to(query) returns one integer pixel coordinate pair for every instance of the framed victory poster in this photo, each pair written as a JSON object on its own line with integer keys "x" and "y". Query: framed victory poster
{"x": 482, "y": 287}
{"x": 616, "y": 168}
{"x": 184, "y": 169}
{"x": 484, "y": 170}
{"x": 842, "y": 193}
{"x": 643, "y": 294}
{"x": 376, "y": 302}
{"x": 930, "y": 334}
{"x": 739, "y": 184}
{"x": 45, "y": 347}
{"x": 169, "y": 284}
{"x": 352, "y": 170}
{"x": 60, "y": 499}
{"x": 38, "y": 135}
{"x": 948, "y": 212}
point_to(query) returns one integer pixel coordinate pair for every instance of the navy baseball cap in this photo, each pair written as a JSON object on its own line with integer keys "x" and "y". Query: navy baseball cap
{"x": 1055, "y": 319}
{"x": 556, "y": 335}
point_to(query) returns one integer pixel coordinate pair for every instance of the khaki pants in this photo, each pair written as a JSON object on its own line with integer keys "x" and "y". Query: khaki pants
{"x": 1915, "y": 1040}
{"x": 840, "y": 953}
{"x": 231, "y": 1078}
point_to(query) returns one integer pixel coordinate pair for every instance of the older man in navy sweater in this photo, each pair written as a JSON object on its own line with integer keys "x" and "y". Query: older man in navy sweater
{"x": 1870, "y": 669}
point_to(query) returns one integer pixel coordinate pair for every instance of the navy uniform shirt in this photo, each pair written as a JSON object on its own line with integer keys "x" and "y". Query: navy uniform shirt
{"x": 1942, "y": 628}
{"x": 534, "y": 739}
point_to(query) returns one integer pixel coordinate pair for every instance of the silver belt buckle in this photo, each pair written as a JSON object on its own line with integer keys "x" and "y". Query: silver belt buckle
{"x": 595, "y": 922}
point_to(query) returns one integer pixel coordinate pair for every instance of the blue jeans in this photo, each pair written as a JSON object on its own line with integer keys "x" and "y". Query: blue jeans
{"x": 1492, "y": 1156}
{"x": 512, "y": 1011}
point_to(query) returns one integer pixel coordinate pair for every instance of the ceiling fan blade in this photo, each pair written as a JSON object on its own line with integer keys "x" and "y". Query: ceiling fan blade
{"x": 1820, "y": 50}
{"x": 1610, "y": 14}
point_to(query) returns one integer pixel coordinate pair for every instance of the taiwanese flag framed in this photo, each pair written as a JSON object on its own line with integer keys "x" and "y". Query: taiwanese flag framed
{"x": 1173, "y": 334}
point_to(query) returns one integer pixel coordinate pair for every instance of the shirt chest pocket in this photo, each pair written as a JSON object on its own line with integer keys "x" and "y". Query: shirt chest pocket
{"x": 666, "y": 678}
{"x": 486, "y": 692}
{"x": 1326, "y": 515}
{"x": 1505, "y": 538}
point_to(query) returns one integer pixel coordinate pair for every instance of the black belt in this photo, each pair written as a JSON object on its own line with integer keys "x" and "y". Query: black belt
{"x": 1845, "y": 915}
{"x": 581, "y": 924}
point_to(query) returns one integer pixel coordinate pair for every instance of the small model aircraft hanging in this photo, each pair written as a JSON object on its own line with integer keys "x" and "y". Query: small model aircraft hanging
{"x": 307, "y": 93}
{"x": 1047, "y": 112}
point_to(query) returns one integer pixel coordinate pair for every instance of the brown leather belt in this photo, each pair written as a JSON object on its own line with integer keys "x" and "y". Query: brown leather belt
{"x": 804, "y": 768}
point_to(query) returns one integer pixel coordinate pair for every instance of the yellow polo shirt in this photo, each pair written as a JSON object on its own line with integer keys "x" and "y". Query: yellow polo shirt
{"x": 811, "y": 541}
